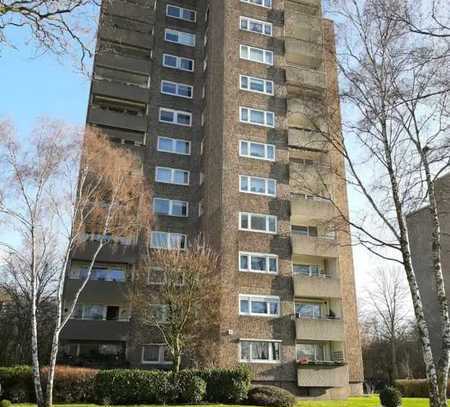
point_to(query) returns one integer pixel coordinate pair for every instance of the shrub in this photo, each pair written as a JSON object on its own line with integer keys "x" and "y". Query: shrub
{"x": 73, "y": 384}
{"x": 17, "y": 384}
{"x": 190, "y": 387}
{"x": 5, "y": 403}
{"x": 226, "y": 385}
{"x": 390, "y": 397}
{"x": 270, "y": 396}
{"x": 133, "y": 386}
{"x": 415, "y": 387}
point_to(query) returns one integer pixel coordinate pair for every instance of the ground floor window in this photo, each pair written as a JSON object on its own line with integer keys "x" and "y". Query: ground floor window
{"x": 155, "y": 354}
{"x": 310, "y": 352}
{"x": 259, "y": 351}
{"x": 90, "y": 353}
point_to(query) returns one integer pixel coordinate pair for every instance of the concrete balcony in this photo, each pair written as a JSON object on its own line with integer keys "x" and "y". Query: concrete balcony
{"x": 301, "y": 81}
{"x": 122, "y": 62}
{"x": 113, "y": 252}
{"x": 313, "y": 246}
{"x": 95, "y": 330}
{"x": 98, "y": 292}
{"x": 307, "y": 139}
{"x": 128, "y": 37}
{"x": 114, "y": 119}
{"x": 303, "y": 53}
{"x": 129, "y": 10}
{"x": 119, "y": 90}
{"x": 301, "y": 26}
{"x": 315, "y": 5}
{"x": 305, "y": 178}
{"x": 305, "y": 211}
{"x": 307, "y": 116}
{"x": 319, "y": 329}
{"x": 316, "y": 287}
{"x": 322, "y": 375}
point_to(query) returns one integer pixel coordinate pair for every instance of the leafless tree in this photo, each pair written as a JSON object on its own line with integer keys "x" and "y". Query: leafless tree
{"x": 58, "y": 190}
{"x": 394, "y": 144}
{"x": 175, "y": 292}
{"x": 387, "y": 301}
{"x": 58, "y": 26}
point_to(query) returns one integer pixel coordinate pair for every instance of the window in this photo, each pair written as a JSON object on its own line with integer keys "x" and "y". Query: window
{"x": 310, "y": 310}
{"x": 309, "y": 270}
{"x": 257, "y": 117}
{"x": 310, "y": 352}
{"x": 262, "y": 56}
{"x": 155, "y": 276}
{"x": 156, "y": 354}
{"x": 181, "y": 13}
{"x": 172, "y": 176}
{"x": 179, "y": 37}
{"x": 262, "y": 3}
{"x": 257, "y": 185}
{"x": 310, "y": 231}
{"x": 176, "y": 89}
{"x": 100, "y": 312}
{"x": 178, "y": 117}
{"x": 181, "y": 63}
{"x": 259, "y": 306}
{"x": 257, "y": 222}
{"x": 166, "y": 240}
{"x": 257, "y": 85}
{"x": 255, "y": 26}
{"x": 159, "y": 312}
{"x": 173, "y": 145}
{"x": 99, "y": 273}
{"x": 170, "y": 207}
{"x": 258, "y": 262}
{"x": 259, "y": 151}
{"x": 259, "y": 351}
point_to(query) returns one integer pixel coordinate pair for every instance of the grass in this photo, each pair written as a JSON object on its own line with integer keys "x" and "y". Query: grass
{"x": 372, "y": 401}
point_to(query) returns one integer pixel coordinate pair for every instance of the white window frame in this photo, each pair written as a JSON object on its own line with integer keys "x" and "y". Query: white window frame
{"x": 254, "y": 79}
{"x": 267, "y": 256}
{"x": 176, "y": 113}
{"x": 260, "y": 3}
{"x": 177, "y": 87}
{"x": 266, "y": 185}
{"x": 171, "y": 204}
{"x": 258, "y": 298}
{"x": 169, "y": 234}
{"x": 265, "y": 112}
{"x": 178, "y": 66}
{"x": 171, "y": 31}
{"x": 271, "y": 360}
{"x": 161, "y": 360}
{"x": 172, "y": 177}
{"x": 173, "y": 141}
{"x": 267, "y": 217}
{"x": 266, "y": 52}
{"x": 181, "y": 13}
{"x": 266, "y": 146}
{"x": 254, "y": 20}
{"x": 320, "y": 274}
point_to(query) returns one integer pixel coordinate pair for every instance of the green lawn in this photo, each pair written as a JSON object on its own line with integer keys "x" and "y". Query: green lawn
{"x": 372, "y": 401}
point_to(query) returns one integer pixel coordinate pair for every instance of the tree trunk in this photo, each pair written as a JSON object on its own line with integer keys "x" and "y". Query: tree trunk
{"x": 394, "y": 361}
{"x": 35, "y": 355}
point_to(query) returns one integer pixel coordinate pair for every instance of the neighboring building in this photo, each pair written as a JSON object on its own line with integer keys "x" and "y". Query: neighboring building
{"x": 420, "y": 231}
{"x": 217, "y": 98}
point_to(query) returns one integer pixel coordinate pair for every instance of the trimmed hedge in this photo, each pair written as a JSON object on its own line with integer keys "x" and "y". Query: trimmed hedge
{"x": 390, "y": 397}
{"x": 271, "y": 396}
{"x": 131, "y": 386}
{"x": 415, "y": 387}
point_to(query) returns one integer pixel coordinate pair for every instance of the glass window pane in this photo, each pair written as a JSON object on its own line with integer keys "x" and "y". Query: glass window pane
{"x": 179, "y": 208}
{"x": 256, "y": 117}
{"x": 93, "y": 311}
{"x": 244, "y": 183}
{"x": 170, "y": 60}
{"x": 257, "y": 150}
{"x": 270, "y": 118}
{"x": 257, "y": 54}
{"x": 151, "y": 353}
{"x": 273, "y": 308}
{"x": 258, "y": 185}
{"x": 161, "y": 206}
{"x": 244, "y": 115}
{"x": 244, "y": 306}
{"x": 269, "y": 87}
{"x": 258, "y": 263}
{"x": 268, "y": 58}
{"x": 244, "y": 148}
{"x": 163, "y": 175}
{"x": 171, "y": 36}
{"x": 180, "y": 177}
{"x": 272, "y": 264}
{"x": 168, "y": 87}
{"x": 173, "y": 11}
{"x": 188, "y": 15}
{"x": 257, "y": 85}
{"x": 244, "y": 82}
{"x": 166, "y": 116}
{"x": 260, "y": 350}
{"x": 271, "y": 188}
{"x": 243, "y": 262}
{"x": 245, "y": 350}
{"x": 272, "y": 224}
{"x": 164, "y": 144}
{"x": 159, "y": 240}
{"x": 258, "y": 222}
{"x": 259, "y": 307}
{"x": 184, "y": 119}
{"x": 185, "y": 91}
{"x": 186, "y": 64}
{"x": 313, "y": 231}
{"x": 182, "y": 147}
{"x": 244, "y": 221}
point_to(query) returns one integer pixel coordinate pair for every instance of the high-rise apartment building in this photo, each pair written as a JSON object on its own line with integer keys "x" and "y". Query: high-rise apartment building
{"x": 420, "y": 229}
{"x": 227, "y": 103}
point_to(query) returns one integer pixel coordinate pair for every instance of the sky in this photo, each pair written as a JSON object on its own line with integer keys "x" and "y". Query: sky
{"x": 36, "y": 86}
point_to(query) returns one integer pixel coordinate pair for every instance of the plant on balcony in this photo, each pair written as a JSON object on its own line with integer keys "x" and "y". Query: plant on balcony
{"x": 304, "y": 360}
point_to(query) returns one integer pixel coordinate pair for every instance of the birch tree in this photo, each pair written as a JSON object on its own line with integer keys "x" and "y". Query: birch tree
{"x": 175, "y": 293}
{"x": 58, "y": 190}
{"x": 394, "y": 144}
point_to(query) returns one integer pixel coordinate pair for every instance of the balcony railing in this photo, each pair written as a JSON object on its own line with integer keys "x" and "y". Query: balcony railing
{"x": 337, "y": 359}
